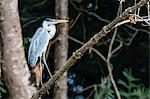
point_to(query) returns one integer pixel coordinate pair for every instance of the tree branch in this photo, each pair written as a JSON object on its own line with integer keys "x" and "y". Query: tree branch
{"x": 79, "y": 53}
{"x": 93, "y": 49}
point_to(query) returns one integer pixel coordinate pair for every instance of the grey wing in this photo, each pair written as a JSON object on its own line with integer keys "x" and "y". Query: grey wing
{"x": 38, "y": 31}
{"x": 32, "y": 57}
{"x": 42, "y": 42}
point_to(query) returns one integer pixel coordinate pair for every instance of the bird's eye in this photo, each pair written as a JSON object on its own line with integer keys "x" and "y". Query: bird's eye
{"x": 48, "y": 25}
{"x": 48, "y": 31}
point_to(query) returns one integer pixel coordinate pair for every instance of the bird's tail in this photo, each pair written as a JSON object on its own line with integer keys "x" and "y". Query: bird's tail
{"x": 36, "y": 76}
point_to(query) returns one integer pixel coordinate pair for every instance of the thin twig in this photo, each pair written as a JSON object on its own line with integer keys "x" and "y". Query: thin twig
{"x": 140, "y": 30}
{"x": 79, "y": 52}
{"x": 145, "y": 20}
{"x": 84, "y": 29}
{"x": 49, "y": 46}
{"x": 32, "y": 21}
{"x": 109, "y": 66}
{"x": 96, "y": 5}
{"x": 110, "y": 55}
{"x": 129, "y": 26}
{"x": 48, "y": 49}
{"x": 88, "y": 97}
{"x": 89, "y": 87}
{"x": 39, "y": 3}
{"x": 107, "y": 21}
{"x": 95, "y": 50}
{"x": 117, "y": 48}
{"x": 129, "y": 40}
{"x": 148, "y": 8}
{"x": 140, "y": 19}
{"x": 70, "y": 27}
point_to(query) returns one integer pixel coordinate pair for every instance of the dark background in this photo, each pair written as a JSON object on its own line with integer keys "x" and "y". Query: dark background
{"x": 91, "y": 68}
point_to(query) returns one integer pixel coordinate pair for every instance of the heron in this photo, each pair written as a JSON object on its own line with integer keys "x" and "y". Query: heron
{"x": 40, "y": 41}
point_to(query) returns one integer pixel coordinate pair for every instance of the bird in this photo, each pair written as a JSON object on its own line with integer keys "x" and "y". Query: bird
{"x": 39, "y": 42}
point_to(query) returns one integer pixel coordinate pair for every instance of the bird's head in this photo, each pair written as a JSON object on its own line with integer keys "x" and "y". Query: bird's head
{"x": 49, "y": 23}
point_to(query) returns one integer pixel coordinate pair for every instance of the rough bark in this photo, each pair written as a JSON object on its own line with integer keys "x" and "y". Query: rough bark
{"x": 14, "y": 67}
{"x": 61, "y": 49}
{"x": 0, "y": 63}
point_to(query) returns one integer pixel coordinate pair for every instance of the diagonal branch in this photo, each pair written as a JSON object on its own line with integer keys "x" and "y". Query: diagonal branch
{"x": 79, "y": 53}
{"x": 94, "y": 50}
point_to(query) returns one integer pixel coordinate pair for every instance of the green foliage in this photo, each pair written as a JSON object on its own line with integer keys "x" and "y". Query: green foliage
{"x": 141, "y": 93}
{"x": 131, "y": 90}
{"x": 2, "y": 88}
{"x": 104, "y": 91}
{"x": 26, "y": 42}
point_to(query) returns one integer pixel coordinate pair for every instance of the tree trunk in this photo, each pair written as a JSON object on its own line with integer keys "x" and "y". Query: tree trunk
{"x": 61, "y": 51}
{"x": 16, "y": 72}
{"x": 1, "y": 56}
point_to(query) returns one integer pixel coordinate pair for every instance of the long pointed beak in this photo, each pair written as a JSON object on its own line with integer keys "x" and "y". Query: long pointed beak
{"x": 60, "y": 21}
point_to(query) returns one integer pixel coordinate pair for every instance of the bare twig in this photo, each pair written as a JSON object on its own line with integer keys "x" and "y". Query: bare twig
{"x": 95, "y": 50}
{"x": 79, "y": 53}
{"x": 48, "y": 49}
{"x": 109, "y": 66}
{"x": 107, "y": 21}
{"x": 32, "y": 21}
{"x": 117, "y": 48}
{"x": 147, "y": 20}
{"x": 148, "y": 8}
{"x": 88, "y": 97}
{"x": 84, "y": 29}
{"x": 96, "y": 5}
{"x": 89, "y": 87}
{"x": 140, "y": 19}
{"x": 49, "y": 46}
{"x": 140, "y": 30}
{"x": 99, "y": 54}
{"x": 130, "y": 40}
{"x": 39, "y": 3}
{"x": 75, "y": 21}
{"x": 110, "y": 55}
{"x": 129, "y": 26}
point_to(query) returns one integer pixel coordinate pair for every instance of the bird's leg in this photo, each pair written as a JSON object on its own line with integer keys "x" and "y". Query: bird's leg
{"x": 41, "y": 71}
{"x": 44, "y": 60}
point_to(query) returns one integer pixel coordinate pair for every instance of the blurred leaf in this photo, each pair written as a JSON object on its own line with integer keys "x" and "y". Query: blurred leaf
{"x": 104, "y": 91}
{"x": 1, "y": 83}
{"x": 2, "y": 90}
{"x": 122, "y": 83}
{"x": 96, "y": 96}
{"x": 128, "y": 75}
{"x": 134, "y": 91}
{"x": 142, "y": 93}
{"x": 123, "y": 93}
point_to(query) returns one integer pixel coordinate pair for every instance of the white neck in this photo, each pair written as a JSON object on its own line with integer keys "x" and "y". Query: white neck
{"x": 51, "y": 29}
